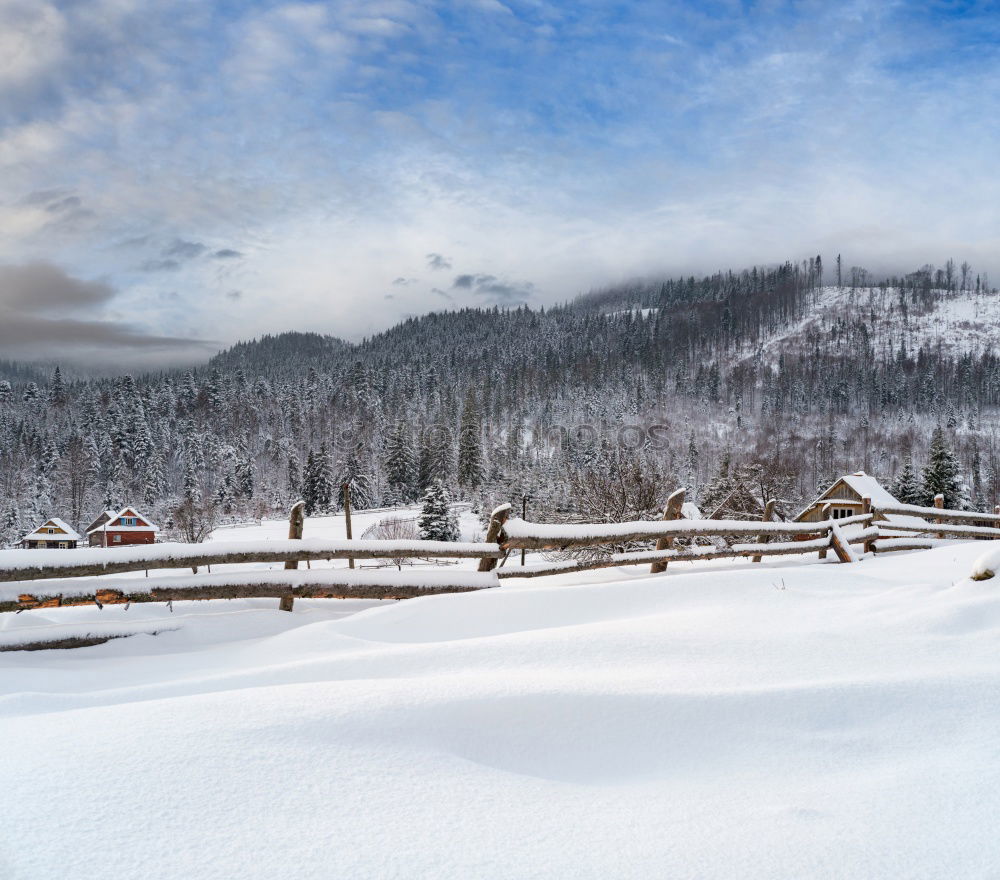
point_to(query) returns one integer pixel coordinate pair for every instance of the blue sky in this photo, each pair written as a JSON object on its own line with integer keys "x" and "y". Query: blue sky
{"x": 220, "y": 170}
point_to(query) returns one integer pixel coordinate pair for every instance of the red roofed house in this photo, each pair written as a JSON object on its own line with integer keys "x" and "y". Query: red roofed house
{"x": 127, "y": 526}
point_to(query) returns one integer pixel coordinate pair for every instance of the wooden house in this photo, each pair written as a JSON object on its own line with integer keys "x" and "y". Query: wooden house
{"x": 117, "y": 529}
{"x": 845, "y": 499}
{"x": 53, "y": 534}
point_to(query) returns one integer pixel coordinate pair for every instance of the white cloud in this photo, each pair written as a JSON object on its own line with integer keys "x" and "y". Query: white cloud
{"x": 336, "y": 145}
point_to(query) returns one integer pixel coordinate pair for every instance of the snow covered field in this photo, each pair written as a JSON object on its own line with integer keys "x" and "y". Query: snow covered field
{"x": 727, "y": 720}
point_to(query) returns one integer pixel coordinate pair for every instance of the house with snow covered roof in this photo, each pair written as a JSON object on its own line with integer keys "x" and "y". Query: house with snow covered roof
{"x": 53, "y": 534}
{"x": 845, "y": 499}
{"x": 124, "y": 527}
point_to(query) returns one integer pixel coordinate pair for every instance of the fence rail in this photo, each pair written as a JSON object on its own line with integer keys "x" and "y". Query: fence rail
{"x": 19, "y": 565}
{"x": 45, "y": 578}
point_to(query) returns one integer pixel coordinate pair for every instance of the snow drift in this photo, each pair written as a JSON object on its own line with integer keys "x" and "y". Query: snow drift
{"x": 778, "y": 720}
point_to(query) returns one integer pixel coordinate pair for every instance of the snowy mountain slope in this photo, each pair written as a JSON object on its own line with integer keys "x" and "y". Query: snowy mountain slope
{"x": 959, "y": 322}
{"x": 757, "y": 721}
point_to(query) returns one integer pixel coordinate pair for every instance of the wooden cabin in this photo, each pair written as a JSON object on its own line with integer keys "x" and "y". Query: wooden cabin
{"x": 53, "y": 534}
{"x": 845, "y": 499}
{"x": 125, "y": 527}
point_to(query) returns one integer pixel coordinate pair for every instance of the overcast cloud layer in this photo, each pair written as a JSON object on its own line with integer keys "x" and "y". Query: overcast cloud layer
{"x": 212, "y": 171}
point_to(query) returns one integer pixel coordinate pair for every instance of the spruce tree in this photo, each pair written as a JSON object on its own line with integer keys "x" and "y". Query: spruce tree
{"x": 941, "y": 475}
{"x": 400, "y": 464}
{"x": 471, "y": 469}
{"x": 906, "y": 487}
{"x": 317, "y": 482}
{"x": 437, "y": 522}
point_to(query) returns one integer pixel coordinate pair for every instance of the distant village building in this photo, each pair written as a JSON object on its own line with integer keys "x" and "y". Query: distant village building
{"x": 53, "y": 534}
{"x": 127, "y": 526}
{"x": 845, "y": 499}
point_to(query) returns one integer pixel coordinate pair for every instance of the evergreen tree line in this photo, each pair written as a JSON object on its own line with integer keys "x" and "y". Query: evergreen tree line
{"x": 494, "y": 404}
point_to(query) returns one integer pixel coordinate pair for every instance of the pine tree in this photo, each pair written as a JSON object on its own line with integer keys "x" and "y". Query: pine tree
{"x": 57, "y": 388}
{"x": 941, "y": 475}
{"x": 400, "y": 464}
{"x": 308, "y": 484}
{"x": 317, "y": 482}
{"x": 471, "y": 469}
{"x": 293, "y": 476}
{"x": 906, "y": 487}
{"x": 192, "y": 485}
{"x": 437, "y": 522}
{"x": 691, "y": 468}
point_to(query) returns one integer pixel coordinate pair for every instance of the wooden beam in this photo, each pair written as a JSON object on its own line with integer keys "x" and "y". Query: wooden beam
{"x": 767, "y": 517}
{"x": 346, "y": 488}
{"x": 866, "y": 507}
{"x": 671, "y": 511}
{"x": 944, "y": 530}
{"x": 676, "y": 554}
{"x": 840, "y": 547}
{"x": 258, "y": 551}
{"x": 556, "y": 538}
{"x": 495, "y": 534}
{"x": 825, "y": 513}
{"x": 296, "y": 525}
{"x": 937, "y": 513}
{"x": 329, "y": 583}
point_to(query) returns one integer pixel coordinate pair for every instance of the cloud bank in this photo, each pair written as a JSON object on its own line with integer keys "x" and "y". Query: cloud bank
{"x": 267, "y": 166}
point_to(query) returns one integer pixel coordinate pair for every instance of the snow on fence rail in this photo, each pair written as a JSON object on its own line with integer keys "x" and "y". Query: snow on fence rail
{"x": 321, "y": 584}
{"x": 20, "y": 571}
{"x": 519, "y": 534}
{"x": 20, "y": 565}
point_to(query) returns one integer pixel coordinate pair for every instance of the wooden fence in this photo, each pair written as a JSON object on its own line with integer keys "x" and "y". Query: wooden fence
{"x": 31, "y": 579}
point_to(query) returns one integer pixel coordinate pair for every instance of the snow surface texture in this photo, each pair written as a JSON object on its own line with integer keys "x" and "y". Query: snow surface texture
{"x": 755, "y": 721}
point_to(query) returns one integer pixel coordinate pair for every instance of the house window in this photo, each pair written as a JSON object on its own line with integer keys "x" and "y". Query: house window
{"x": 117, "y": 539}
{"x": 841, "y": 512}
{"x": 51, "y": 531}
{"x": 63, "y": 545}
{"x": 128, "y": 520}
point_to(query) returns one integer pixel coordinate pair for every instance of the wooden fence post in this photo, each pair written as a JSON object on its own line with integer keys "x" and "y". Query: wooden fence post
{"x": 824, "y": 514}
{"x": 346, "y": 488}
{"x": 494, "y": 534}
{"x": 671, "y": 511}
{"x": 767, "y": 517}
{"x": 866, "y": 507}
{"x": 296, "y": 523}
{"x": 939, "y": 504}
{"x": 524, "y": 515}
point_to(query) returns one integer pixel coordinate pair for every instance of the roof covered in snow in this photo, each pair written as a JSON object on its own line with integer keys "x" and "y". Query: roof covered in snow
{"x": 866, "y": 486}
{"x": 100, "y": 519}
{"x": 112, "y": 524}
{"x": 40, "y": 534}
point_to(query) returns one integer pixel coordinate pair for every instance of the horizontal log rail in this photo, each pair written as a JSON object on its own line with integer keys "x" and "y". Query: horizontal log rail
{"x": 681, "y": 554}
{"x": 891, "y": 545}
{"x": 677, "y": 554}
{"x": 321, "y": 584}
{"x": 944, "y": 529}
{"x": 522, "y": 535}
{"x": 21, "y": 565}
{"x": 938, "y": 513}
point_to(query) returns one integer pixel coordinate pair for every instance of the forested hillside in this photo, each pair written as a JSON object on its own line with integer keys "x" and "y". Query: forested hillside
{"x": 776, "y": 379}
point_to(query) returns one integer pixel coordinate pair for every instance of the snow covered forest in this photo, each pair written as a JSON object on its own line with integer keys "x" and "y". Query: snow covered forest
{"x": 779, "y": 379}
